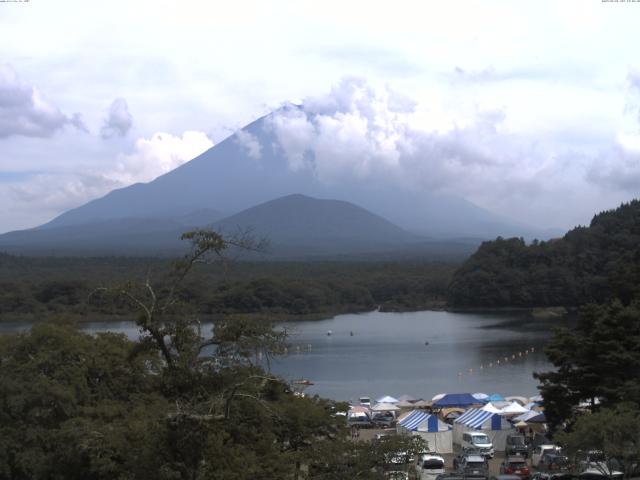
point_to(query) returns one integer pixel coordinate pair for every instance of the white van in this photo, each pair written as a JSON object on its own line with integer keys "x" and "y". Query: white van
{"x": 429, "y": 466}
{"x": 477, "y": 441}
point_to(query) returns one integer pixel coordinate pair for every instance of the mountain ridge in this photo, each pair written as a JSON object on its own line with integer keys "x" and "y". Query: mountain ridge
{"x": 228, "y": 179}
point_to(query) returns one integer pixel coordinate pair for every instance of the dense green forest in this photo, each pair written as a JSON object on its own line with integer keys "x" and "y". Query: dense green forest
{"x": 589, "y": 264}
{"x": 36, "y": 287}
{"x": 177, "y": 404}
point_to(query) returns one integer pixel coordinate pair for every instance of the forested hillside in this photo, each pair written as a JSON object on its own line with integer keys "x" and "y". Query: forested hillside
{"x": 35, "y": 288}
{"x": 589, "y": 264}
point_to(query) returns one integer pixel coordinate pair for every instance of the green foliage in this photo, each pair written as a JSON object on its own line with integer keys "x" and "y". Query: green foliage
{"x": 177, "y": 404}
{"x": 613, "y": 431}
{"x": 589, "y": 264}
{"x": 37, "y": 288}
{"x": 599, "y": 359}
{"x": 92, "y": 407}
{"x": 366, "y": 460}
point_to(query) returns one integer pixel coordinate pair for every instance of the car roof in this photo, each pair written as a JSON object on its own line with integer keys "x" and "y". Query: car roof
{"x": 515, "y": 458}
{"x": 429, "y": 455}
{"x": 475, "y": 458}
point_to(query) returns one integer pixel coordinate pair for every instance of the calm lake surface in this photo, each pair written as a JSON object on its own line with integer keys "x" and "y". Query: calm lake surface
{"x": 387, "y": 353}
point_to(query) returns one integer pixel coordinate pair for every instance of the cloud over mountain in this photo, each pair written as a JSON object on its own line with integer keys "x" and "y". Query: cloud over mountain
{"x": 250, "y": 143}
{"x": 151, "y": 157}
{"x": 358, "y": 132}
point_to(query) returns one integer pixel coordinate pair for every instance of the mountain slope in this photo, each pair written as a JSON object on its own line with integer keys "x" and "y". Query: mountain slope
{"x": 227, "y": 178}
{"x": 295, "y": 225}
{"x": 301, "y": 225}
{"x": 301, "y": 218}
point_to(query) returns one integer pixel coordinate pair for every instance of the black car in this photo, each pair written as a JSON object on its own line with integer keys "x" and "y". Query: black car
{"x": 515, "y": 445}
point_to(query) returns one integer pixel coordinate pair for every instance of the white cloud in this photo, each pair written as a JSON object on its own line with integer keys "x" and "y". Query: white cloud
{"x": 36, "y": 198}
{"x": 119, "y": 121}
{"x": 24, "y": 111}
{"x": 157, "y": 155}
{"x": 250, "y": 143}
{"x": 546, "y": 66}
{"x": 357, "y": 133}
{"x": 360, "y": 132}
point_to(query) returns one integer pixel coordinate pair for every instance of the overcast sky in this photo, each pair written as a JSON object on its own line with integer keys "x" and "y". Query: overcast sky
{"x": 535, "y": 105}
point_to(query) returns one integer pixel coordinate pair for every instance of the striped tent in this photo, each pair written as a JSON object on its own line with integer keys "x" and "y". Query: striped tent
{"x": 493, "y": 424}
{"x": 437, "y": 433}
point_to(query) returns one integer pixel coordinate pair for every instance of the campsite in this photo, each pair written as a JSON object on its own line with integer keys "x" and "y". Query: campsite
{"x": 452, "y": 424}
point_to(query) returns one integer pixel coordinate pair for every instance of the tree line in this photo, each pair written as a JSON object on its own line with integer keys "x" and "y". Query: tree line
{"x": 36, "y": 288}
{"x": 588, "y": 265}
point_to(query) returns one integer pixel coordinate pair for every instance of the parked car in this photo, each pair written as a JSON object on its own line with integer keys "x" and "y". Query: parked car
{"x": 602, "y": 473}
{"x": 360, "y": 421}
{"x": 429, "y": 466}
{"x": 551, "y": 462}
{"x": 594, "y": 465}
{"x": 385, "y": 419}
{"x": 479, "y": 441}
{"x": 540, "y": 450}
{"x": 473, "y": 466}
{"x": 515, "y": 445}
{"x": 465, "y": 452}
{"x": 515, "y": 465}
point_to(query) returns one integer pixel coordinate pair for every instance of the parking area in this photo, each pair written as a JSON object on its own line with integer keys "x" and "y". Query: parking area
{"x": 494, "y": 463}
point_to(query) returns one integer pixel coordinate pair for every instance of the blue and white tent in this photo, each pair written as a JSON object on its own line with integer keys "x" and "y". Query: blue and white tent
{"x": 437, "y": 433}
{"x": 494, "y": 425}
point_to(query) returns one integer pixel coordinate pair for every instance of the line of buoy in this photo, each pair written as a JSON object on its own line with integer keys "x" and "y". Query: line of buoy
{"x": 504, "y": 360}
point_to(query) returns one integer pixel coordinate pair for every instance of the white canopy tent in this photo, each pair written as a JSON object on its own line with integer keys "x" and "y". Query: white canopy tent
{"x": 437, "y": 433}
{"x": 478, "y": 420}
{"x": 384, "y": 407}
{"x": 514, "y": 409}
{"x": 489, "y": 407}
{"x": 387, "y": 399}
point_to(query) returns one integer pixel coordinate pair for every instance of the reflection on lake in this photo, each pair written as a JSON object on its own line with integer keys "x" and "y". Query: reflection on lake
{"x": 387, "y": 353}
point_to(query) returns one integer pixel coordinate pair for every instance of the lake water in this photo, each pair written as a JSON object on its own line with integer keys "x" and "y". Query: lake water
{"x": 387, "y": 353}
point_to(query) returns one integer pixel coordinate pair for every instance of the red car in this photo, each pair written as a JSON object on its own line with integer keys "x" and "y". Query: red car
{"x": 515, "y": 466}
